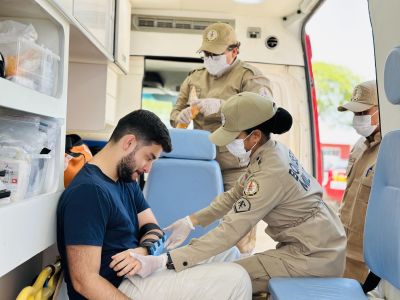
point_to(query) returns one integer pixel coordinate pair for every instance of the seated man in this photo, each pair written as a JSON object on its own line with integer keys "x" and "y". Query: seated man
{"x": 102, "y": 218}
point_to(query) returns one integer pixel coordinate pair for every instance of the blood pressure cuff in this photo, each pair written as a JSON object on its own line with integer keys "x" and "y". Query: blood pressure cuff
{"x": 154, "y": 247}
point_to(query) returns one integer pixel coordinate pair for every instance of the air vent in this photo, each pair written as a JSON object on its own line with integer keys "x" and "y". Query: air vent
{"x": 146, "y": 23}
{"x": 271, "y": 42}
{"x": 161, "y": 24}
{"x": 200, "y": 25}
{"x": 165, "y": 23}
{"x": 183, "y": 25}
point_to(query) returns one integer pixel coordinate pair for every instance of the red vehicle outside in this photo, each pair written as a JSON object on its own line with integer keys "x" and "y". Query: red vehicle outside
{"x": 335, "y": 164}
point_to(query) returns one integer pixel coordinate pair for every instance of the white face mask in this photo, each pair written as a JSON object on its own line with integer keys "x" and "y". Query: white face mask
{"x": 216, "y": 65}
{"x": 237, "y": 149}
{"x": 362, "y": 124}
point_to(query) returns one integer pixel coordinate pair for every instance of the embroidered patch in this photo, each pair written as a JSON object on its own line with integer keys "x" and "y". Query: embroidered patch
{"x": 357, "y": 93}
{"x": 242, "y": 205}
{"x": 212, "y": 35}
{"x": 251, "y": 188}
{"x": 243, "y": 178}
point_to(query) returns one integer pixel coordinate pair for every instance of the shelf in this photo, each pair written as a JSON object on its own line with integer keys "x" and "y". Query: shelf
{"x": 27, "y": 227}
{"x": 21, "y": 98}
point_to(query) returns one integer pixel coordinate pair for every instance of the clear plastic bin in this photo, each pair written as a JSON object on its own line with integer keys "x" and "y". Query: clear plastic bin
{"x": 25, "y": 178}
{"x": 31, "y": 65}
{"x": 39, "y": 166}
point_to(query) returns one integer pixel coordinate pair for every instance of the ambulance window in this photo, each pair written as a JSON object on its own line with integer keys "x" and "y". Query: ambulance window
{"x": 161, "y": 83}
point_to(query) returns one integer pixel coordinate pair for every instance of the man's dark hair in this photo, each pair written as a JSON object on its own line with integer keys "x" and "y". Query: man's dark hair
{"x": 146, "y": 127}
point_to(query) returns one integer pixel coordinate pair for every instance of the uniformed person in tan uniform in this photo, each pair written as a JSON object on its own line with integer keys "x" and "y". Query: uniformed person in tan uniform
{"x": 360, "y": 171}
{"x": 223, "y": 76}
{"x": 275, "y": 188}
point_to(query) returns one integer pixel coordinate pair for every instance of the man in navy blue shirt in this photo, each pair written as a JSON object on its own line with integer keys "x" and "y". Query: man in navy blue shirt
{"x": 100, "y": 213}
{"x": 102, "y": 218}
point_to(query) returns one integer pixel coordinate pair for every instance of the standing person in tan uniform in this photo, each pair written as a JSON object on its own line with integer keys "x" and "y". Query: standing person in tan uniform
{"x": 275, "y": 188}
{"x": 360, "y": 171}
{"x": 223, "y": 76}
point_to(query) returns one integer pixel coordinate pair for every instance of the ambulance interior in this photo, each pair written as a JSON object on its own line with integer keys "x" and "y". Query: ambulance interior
{"x": 116, "y": 56}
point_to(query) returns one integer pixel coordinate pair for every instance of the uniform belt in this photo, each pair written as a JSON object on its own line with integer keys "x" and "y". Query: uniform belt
{"x": 303, "y": 219}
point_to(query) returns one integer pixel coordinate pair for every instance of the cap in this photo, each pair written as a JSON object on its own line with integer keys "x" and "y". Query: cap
{"x": 217, "y": 37}
{"x": 364, "y": 97}
{"x": 240, "y": 112}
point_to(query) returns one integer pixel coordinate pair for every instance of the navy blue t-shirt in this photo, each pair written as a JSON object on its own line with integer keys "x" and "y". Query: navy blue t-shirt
{"x": 97, "y": 211}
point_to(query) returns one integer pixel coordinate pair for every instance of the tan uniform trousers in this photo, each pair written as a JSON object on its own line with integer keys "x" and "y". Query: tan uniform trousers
{"x": 356, "y": 269}
{"x": 262, "y": 267}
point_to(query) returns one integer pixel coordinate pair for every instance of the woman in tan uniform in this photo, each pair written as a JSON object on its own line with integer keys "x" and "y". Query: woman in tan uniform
{"x": 205, "y": 89}
{"x": 276, "y": 189}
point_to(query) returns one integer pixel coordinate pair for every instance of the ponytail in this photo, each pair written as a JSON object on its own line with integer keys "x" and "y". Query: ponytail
{"x": 280, "y": 123}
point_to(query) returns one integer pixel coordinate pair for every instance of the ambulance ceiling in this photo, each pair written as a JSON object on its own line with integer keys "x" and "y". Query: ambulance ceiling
{"x": 274, "y": 8}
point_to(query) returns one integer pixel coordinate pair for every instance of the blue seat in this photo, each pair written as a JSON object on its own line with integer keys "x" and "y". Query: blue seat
{"x": 316, "y": 288}
{"x": 185, "y": 180}
{"x": 381, "y": 237}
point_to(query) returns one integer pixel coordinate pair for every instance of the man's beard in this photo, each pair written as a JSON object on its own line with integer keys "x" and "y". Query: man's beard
{"x": 127, "y": 167}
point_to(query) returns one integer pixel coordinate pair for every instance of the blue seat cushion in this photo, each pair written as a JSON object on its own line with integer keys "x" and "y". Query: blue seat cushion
{"x": 315, "y": 289}
{"x": 176, "y": 188}
{"x": 191, "y": 144}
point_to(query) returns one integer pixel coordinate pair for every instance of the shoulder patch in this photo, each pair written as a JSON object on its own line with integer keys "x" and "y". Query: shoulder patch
{"x": 244, "y": 177}
{"x": 242, "y": 205}
{"x": 195, "y": 70}
{"x": 251, "y": 187}
{"x": 252, "y": 68}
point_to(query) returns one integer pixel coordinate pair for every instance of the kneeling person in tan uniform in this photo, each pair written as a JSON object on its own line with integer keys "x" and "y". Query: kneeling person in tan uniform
{"x": 223, "y": 76}
{"x": 276, "y": 189}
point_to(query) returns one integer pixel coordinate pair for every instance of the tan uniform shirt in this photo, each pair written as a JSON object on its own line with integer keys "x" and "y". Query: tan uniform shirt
{"x": 276, "y": 189}
{"x": 239, "y": 78}
{"x": 360, "y": 172}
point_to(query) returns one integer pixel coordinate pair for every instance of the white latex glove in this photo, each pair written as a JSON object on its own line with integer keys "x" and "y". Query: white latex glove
{"x": 179, "y": 232}
{"x": 150, "y": 263}
{"x": 208, "y": 106}
{"x": 185, "y": 116}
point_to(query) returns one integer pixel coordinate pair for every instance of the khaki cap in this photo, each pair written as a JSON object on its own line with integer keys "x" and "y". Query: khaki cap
{"x": 240, "y": 112}
{"x": 364, "y": 97}
{"x": 217, "y": 37}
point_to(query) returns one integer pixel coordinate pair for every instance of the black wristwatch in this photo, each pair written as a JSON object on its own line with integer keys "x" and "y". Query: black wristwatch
{"x": 170, "y": 263}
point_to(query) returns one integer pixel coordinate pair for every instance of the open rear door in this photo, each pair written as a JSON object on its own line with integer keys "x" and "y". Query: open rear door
{"x": 385, "y": 23}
